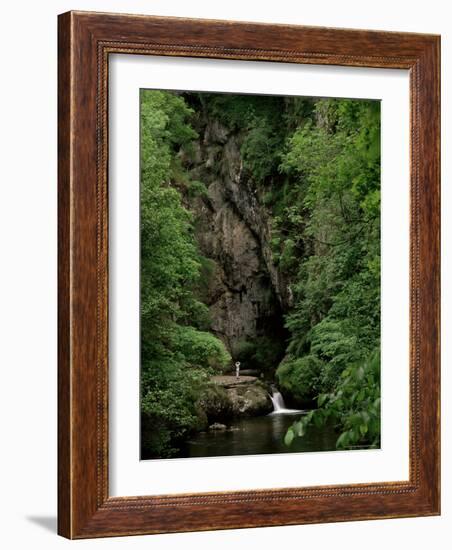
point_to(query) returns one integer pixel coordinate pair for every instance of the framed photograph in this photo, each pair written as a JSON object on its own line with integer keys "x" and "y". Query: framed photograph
{"x": 248, "y": 275}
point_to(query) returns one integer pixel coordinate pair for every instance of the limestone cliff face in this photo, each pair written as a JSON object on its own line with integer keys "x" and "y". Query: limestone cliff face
{"x": 246, "y": 293}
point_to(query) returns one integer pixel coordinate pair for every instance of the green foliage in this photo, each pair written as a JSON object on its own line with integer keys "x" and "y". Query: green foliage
{"x": 169, "y": 258}
{"x": 168, "y": 404}
{"x": 336, "y": 314}
{"x": 196, "y": 188}
{"x": 176, "y": 356}
{"x": 260, "y": 147}
{"x": 202, "y": 349}
{"x": 262, "y": 123}
{"x": 354, "y": 405}
{"x": 299, "y": 378}
{"x": 288, "y": 258}
{"x": 338, "y": 278}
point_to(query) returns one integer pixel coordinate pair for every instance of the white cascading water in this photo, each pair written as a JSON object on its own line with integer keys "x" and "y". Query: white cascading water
{"x": 279, "y": 407}
{"x": 278, "y": 401}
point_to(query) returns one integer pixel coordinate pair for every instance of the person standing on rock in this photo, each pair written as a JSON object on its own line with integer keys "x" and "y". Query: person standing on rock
{"x": 237, "y": 369}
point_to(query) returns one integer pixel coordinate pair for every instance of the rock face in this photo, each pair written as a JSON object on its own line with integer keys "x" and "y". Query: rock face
{"x": 226, "y": 398}
{"x": 248, "y": 396}
{"x": 251, "y": 400}
{"x": 245, "y": 293}
{"x": 215, "y": 404}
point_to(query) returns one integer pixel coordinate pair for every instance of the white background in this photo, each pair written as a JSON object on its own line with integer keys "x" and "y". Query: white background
{"x": 128, "y": 475}
{"x": 28, "y": 272}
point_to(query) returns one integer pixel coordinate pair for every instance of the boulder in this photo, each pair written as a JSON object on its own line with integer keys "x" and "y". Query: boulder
{"x": 215, "y": 404}
{"x": 228, "y": 396}
{"x": 250, "y": 399}
{"x": 218, "y": 427}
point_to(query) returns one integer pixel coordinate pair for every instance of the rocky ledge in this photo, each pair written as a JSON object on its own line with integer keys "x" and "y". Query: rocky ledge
{"x": 232, "y": 381}
{"x": 228, "y": 397}
{"x": 247, "y": 395}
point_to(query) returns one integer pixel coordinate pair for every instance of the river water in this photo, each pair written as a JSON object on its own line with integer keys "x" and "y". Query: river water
{"x": 259, "y": 435}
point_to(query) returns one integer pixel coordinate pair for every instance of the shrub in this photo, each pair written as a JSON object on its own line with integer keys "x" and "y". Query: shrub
{"x": 299, "y": 377}
{"x": 197, "y": 188}
{"x": 354, "y": 406}
{"x": 169, "y": 390}
{"x": 202, "y": 349}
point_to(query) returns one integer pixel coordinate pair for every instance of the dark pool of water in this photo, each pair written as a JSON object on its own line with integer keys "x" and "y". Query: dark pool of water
{"x": 259, "y": 435}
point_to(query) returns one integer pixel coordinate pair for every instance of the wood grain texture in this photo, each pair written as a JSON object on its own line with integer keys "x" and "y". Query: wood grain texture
{"x": 85, "y": 42}
{"x": 64, "y": 295}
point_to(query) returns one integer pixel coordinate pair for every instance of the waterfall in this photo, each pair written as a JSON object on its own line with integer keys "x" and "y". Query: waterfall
{"x": 279, "y": 407}
{"x": 278, "y": 401}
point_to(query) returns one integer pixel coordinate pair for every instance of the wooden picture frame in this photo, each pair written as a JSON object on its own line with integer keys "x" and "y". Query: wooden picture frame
{"x": 86, "y": 40}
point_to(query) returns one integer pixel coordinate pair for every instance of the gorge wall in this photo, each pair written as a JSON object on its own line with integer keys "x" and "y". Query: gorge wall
{"x": 246, "y": 294}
